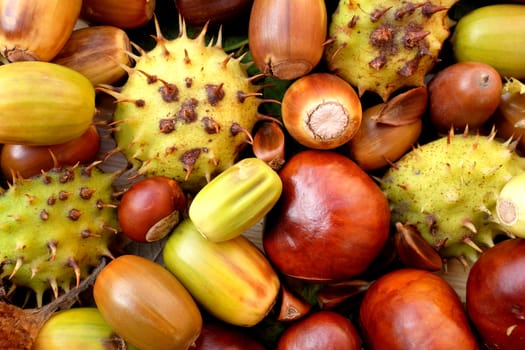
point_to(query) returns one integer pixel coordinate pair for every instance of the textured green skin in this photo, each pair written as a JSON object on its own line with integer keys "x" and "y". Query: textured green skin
{"x": 157, "y": 153}
{"x": 351, "y": 52}
{"x": 24, "y": 234}
{"x": 452, "y": 181}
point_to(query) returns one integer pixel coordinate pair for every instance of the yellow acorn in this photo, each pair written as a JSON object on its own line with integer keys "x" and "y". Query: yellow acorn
{"x": 45, "y": 103}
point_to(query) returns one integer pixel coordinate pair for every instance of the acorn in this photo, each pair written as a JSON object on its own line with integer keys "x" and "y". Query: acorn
{"x": 231, "y": 280}
{"x": 46, "y": 103}
{"x": 79, "y": 328}
{"x": 146, "y": 305}
{"x": 235, "y": 200}
{"x": 36, "y": 30}
{"x": 123, "y": 14}
{"x": 98, "y": 52}
{"x": 286, "y": 36}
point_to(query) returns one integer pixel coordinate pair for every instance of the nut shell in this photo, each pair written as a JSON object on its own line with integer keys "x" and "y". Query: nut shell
{"x": 286, "y": 36}
{"x": 36, "y": 30}
{"x": 321, "y": 111}
{"x": 146, "y": 305}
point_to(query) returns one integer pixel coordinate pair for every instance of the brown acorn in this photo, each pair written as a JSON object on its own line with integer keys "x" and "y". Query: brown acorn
{"x": 286, "y": 36}
{"x": 98, "y": 52}
{"x": 36, "y": 30}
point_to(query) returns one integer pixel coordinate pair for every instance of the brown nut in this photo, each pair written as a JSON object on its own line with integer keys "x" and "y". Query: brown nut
{"x": 123, "y": 14}
{"x": 286, "y": 36}
{"x": 198, "y": 12}
{"x": 321, "y": 111}
{"x": 97, "y": 52}
{"x": 35, "y": 30}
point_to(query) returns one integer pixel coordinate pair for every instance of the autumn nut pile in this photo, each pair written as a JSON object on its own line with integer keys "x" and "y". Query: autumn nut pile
{"x": 261, "y": 174}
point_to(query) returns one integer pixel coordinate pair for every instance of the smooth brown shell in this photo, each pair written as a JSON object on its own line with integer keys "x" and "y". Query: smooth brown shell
{"x": 36, "y": 30}
{"x": 199, "y": 12}
{"x": 331, "y": 220}
{"x": 496, "y": 295}
{"x": 325, "y": 330}
{"x": 412, "y": 309}
{"x": 146, "y": 305}
{"x": 286, "y": 36}
{"x": 465, "y": 93}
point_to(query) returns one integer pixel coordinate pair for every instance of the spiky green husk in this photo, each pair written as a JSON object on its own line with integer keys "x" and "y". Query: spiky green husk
{"x": 382, "y": 46}
{"x": 55, "y": 227}
{"x": 448, "y": 190}
{"x": 185, "y": 111}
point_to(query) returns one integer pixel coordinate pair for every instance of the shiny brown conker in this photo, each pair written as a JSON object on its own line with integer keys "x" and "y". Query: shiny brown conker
{"x": 331, "y": 221}
{"x": 150, "y": 208}
{"x": 495, "y": 295}
{"x": 464, "y": 93}
{"x": 327, "y": 330}
{"x": 27, "y": 160}
{"x": 413, "y": 309}
{"x": 217, "y": 335}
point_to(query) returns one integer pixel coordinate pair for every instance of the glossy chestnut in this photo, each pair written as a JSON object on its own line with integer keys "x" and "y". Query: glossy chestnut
{"x": 27, "y": 160}
{"x": 464, "y": 93}
{"x": 495, "y": 297}
{"x": 326, "y": 330}
{"x": 216, "y": 335}
{"x": 122, "y": 14}
{"x": 199, "y": 12}
{"x": 150, "y": 208}
{"x": 331, "y": 221}
{"x": 413, "y": 309}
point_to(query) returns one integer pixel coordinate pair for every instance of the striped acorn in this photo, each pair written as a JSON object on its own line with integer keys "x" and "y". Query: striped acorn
{"x": 45, "y": 103}
{"x": 232, "y": 280}
{"x": 146, "y": 305}
{"x": 235, "y": 200}
{"x": 36, "y": 30}
{"x": 97, "y": 52}
{"x": 493, "y": 35}
{"x": 78, "y": 329}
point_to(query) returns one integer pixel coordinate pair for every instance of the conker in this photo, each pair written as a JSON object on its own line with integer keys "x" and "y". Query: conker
{"x": 495, "y": 295}
{"x": 413, "y": 309}
{"x": 28, "y": 160}
{"x": 150, "y": 208}
{"x": 325, "y": 330}
{"x": 464, "y": 93}
{"x": 331, "y": 221}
